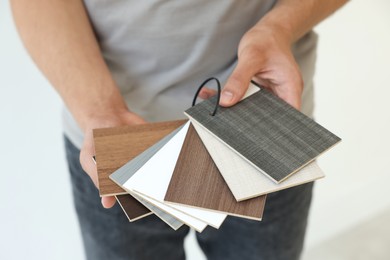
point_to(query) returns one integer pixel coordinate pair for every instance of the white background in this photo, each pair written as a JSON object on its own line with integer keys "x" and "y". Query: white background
{"x": 37, "y": 219}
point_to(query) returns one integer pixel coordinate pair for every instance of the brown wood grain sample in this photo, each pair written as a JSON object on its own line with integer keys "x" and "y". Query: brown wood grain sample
{"x": 114, "y": 147}
{"x": 132, "y": 208}
{"x": 197, "y": 182}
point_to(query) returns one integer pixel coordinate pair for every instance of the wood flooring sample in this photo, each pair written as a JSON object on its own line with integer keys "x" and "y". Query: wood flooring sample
{"x": 114, "y": 147}
{"x": 267, "y": 132}
{"x": 124, "y": 173}
{"x": 152, "y": 181}
{"x": 197, "y": 182}
{"x": 132, "y": 208}
{"x": 244, "y": 180}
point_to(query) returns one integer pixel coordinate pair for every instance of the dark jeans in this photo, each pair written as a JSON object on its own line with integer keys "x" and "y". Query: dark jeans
{"x": 108, "y": 235}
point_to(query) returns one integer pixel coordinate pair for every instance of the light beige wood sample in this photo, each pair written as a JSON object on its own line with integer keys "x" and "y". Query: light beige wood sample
{"x": 244, "y": 180}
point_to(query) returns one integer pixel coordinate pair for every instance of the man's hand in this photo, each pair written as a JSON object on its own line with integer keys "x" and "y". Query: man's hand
{"x": 75, "y": 67}
{"x": 264, "y": 53}
{"x": 264, "y": 56}
{"x": 88, "y": 150}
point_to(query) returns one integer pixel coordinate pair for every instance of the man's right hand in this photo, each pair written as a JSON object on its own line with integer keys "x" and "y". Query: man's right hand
{"x": 75, "y": 67}
{"x": 88, "y": 150}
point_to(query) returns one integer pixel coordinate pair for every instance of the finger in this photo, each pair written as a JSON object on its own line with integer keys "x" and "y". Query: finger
{"x": 86, "y": 159}
{"x": 237, "y": 85}
{"x": 293, "y": 98}
{"x": 206, "y": 93}
{"x": 291, "y": 93}
{"x": 108, "y": 202}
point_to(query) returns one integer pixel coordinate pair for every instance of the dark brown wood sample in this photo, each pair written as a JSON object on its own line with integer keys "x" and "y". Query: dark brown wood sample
{"x": 114, "y": 147}
{"x": 132, "y": 208}
{"x": 197, "y": 182}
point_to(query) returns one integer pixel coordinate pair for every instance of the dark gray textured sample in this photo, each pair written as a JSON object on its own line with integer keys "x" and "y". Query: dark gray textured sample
{"x": 268, "y": 132}
{"x": 124, "y": 173}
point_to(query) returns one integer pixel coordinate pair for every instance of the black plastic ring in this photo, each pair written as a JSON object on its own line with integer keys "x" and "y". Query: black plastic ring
{"x": 218, "y": 94}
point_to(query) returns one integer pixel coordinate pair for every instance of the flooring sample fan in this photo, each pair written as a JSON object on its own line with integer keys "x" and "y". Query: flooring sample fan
{"x": 267, "y": 132}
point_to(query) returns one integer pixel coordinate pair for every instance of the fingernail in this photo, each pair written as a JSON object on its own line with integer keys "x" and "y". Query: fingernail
{"x": 226, "y": 96}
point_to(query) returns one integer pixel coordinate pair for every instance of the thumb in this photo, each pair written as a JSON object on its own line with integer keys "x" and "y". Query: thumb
{"x": 237, "y": 85}
{"x": 108, "y": 201}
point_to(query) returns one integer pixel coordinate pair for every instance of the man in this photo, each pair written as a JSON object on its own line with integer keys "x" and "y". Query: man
{"x": 126, "y": 62}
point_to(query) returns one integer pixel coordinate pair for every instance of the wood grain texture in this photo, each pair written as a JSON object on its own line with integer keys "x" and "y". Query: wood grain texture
{"x": 114, "y": 147}
{"x": 153, "y": 178}
{"x": 132, "y": 208}
{"x": 197, "y": 182}
{"x": 267, "y": 132}
{"x": 136, "y": 207}
{"x": 124, "y": 173}
{"x": 244, "y": 180}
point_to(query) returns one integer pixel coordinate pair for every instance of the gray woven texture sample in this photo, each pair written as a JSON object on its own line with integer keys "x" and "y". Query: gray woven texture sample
{"x": 266, "y": 131}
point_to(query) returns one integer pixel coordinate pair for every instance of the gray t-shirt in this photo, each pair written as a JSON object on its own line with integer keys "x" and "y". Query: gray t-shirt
{"x": 159, "y": 51}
